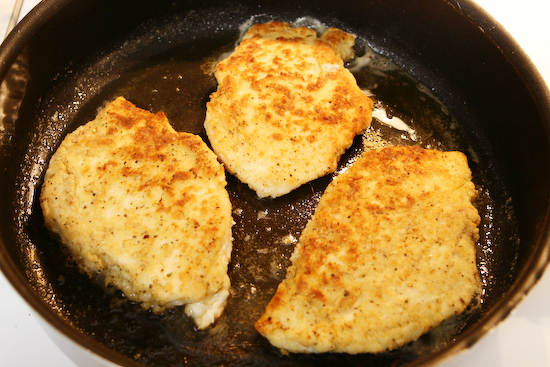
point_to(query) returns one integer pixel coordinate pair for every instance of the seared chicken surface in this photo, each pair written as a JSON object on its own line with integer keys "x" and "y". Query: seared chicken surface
{"x": 388, "y": 255}
{"x": 286, "y": 108}
{"x": 144, "y": 207}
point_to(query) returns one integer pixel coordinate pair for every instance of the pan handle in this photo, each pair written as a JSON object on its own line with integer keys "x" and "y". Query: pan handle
{"x": 14, "y": 16}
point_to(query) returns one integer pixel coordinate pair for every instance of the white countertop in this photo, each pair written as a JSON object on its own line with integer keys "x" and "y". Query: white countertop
{"x": 523, "y": 339}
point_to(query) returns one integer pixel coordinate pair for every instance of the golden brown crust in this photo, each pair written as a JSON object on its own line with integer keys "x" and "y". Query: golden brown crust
{"x": 286, "y": 108}
{"x": 142, "y": 205}
{"x": 388, "y": 255}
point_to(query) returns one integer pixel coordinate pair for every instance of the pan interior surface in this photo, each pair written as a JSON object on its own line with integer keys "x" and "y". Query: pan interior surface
{"x": 160, "y": 58}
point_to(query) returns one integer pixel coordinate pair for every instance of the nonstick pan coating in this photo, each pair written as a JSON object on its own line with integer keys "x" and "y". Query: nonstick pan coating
{"x": 469, "y": 92}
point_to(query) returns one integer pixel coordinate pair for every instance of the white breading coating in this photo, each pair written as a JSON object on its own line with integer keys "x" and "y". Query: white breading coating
{"x": 388, "y": 255}
{"x": 286, "y": 108}
{"x": 145, "y": 207}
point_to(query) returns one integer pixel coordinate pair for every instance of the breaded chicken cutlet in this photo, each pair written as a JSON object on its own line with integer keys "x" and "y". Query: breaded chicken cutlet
{"x": 388, "y": 255}
{"x": 146, "y": 208}
{"x": 286, "y": 108}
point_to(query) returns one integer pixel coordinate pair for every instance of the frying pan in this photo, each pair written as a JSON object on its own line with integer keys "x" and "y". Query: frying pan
{"x": 475, "y": 93}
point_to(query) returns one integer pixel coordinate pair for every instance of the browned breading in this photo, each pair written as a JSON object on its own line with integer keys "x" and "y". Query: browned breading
{"x": 388, "y": 255}
{"x": 145, "y": 207}
{"x": 286, "y": 108}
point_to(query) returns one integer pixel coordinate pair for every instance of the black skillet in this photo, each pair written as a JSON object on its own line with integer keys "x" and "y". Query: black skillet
{"x": 461, "y": 82}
